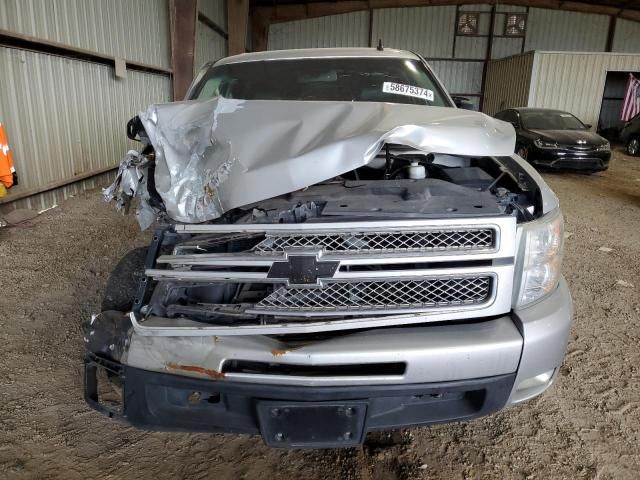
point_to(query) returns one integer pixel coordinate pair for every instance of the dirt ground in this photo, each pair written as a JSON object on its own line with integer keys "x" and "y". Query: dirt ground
{"x": 55, "y": 267}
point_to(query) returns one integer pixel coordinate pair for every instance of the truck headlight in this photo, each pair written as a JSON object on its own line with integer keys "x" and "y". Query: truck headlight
{"x": 541, "y": 247}
{"x": 605, "y": 147}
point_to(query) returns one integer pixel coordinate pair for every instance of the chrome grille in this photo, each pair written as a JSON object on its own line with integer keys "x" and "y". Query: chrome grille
{"x": 381, "y": 295}
{"x": 406, "y": 241}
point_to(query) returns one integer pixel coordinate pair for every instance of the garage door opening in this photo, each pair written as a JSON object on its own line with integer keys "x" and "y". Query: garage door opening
{"x": 609, "y": 122}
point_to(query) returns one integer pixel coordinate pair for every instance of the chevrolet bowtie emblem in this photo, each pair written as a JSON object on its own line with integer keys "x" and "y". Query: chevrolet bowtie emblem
{"x": 303, "y": 269}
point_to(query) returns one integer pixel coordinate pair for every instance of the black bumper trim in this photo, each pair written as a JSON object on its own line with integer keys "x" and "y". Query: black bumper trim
{"x": 162, "y": 401}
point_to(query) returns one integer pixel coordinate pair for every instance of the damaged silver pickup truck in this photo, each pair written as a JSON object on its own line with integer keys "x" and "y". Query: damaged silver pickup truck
{"x": 340, "y": 250}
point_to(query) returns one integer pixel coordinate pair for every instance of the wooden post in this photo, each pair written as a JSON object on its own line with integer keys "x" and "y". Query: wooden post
{"x": 237, "y": 20}
{"x": 183, "y": 15}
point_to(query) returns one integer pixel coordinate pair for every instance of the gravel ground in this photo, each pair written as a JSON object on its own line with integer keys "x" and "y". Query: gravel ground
{"x": 587, "y": 426}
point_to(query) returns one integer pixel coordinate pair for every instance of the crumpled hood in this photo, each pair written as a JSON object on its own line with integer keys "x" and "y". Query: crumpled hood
{"x": 219, "y": 154}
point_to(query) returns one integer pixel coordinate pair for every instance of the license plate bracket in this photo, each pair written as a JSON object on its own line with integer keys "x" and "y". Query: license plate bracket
{"x": 312, "y": 424}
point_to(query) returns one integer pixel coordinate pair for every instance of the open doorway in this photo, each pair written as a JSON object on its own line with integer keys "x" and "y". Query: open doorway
{"x": 609, "y": 122}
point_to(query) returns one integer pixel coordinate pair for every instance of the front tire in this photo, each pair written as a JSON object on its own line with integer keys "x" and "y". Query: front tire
{"x": 633, "y": 146}
{"x": 124, "y": 281}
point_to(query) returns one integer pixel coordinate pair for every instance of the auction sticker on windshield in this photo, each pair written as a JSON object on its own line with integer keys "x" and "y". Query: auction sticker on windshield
{"x": 408, "y": 90}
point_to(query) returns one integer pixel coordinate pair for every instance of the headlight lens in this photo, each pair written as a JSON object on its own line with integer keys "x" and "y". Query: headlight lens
{"x": 542, "y": 247}
{"x": 605, "y": 147}
{"x": 544, "y": 144}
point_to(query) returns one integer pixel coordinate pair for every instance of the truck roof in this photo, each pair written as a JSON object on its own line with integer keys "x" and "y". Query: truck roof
{"x": 316, "y": 53}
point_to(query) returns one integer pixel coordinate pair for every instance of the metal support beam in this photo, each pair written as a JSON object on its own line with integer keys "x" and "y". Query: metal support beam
{"x": 237, "y": 20}
{"x": 611, "y": 33}
{"x": 487, "y": 57}
{"x": 183, "y": 16}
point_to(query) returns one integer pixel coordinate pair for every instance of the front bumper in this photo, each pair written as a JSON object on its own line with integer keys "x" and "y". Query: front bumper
{"x": 451, "y": 372}
{"x": 569, "y": 159}
{"x": 161, "y": 401}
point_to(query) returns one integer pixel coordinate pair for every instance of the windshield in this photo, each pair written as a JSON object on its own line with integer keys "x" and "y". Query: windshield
{"x": 550, "y": 121}
{"x": 391, "y": 80}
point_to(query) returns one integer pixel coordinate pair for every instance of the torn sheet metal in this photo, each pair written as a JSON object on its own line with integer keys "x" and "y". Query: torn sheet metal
{"x": 219, "y": 154}
{"x": 131, "y": 181}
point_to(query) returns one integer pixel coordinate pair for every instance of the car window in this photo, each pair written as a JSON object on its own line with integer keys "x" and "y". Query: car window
{"x": 541, "y": 120}
{"x": 391, "y": 80}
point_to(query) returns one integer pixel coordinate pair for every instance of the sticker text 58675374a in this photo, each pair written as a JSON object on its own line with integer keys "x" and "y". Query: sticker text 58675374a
{"x": 407, "y": 90}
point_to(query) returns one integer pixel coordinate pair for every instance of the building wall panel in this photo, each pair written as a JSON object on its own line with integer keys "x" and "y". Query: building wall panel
{"x": 137, "y": 30}
{"x": 627, "y": 36}
{"x": 459, "y": 77}
{"x": 566, "y": 31}
{"x": 215, "y": 10}
{"x": 507, "y": 83}
{"x": 425, "y": 30}
{"x": 67, "y": 117}
{"x": 345, "y": 30}
{"x": 210, "y": 46}
{"x": 505, "y": 47}
{"x": 471, "y": 47}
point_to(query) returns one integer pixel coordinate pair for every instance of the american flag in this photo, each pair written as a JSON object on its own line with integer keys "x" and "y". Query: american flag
{"x": 631, "y": 104}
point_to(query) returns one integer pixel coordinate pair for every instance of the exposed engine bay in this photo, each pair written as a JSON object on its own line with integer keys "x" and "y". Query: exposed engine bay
{"x": 401, "y": 183}
{"x": 241, "y": 274}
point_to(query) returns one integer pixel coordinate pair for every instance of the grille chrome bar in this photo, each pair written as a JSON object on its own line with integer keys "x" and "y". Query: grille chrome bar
{"x": 261, "y": 277}
{"x": 248, "y": 259}
{"x": 361, "y": 226}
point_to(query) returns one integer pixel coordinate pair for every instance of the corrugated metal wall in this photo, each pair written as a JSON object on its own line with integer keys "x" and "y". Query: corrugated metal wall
{"x": 425, "y": 30}
{"x": 210, "y": 44}
{"x": 627, "y": 36}
{"x": 459, "y": 77}
{"x": 346, "y": 30}
{"x": 575, "y": 81}
{"x": 135, "y": 30}
{"x": 567, "y": 31}
{"x": 508, "y": 82}
{"x": 65, "y": 118}
{"x": 215, "y": 10}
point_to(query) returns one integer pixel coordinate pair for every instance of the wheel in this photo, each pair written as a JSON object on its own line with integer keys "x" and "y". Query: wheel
{"x": 124, "y": 280}
{"x": 522, "y": 152}
{"x": 633, "y": 146}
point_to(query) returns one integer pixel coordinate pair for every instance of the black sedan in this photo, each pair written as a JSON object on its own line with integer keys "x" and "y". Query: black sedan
{"x": 553, "y": 139}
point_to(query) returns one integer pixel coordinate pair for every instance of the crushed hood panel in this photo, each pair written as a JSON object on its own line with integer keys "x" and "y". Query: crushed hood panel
{"x": 219, "y": 154}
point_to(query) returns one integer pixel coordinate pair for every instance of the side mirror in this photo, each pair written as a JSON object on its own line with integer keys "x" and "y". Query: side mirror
{"x": 515, "y": 125}
{"x": 588, "y": 125}
{"x": 463, "y": 102}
